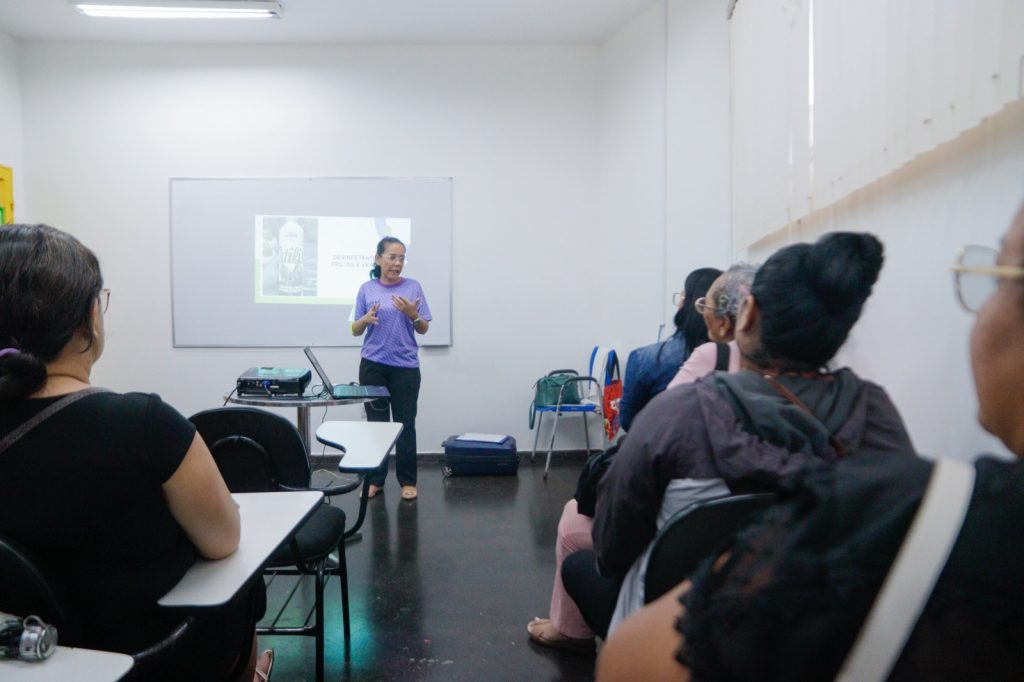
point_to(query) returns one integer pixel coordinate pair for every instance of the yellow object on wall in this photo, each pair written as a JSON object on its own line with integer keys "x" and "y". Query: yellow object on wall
{"x": 6, "y": 195}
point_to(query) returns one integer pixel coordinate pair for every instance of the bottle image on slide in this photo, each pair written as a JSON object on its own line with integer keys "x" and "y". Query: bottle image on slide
{"x": 289, "y": 266}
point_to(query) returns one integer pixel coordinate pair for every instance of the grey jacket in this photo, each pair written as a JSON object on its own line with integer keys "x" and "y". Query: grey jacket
{"x": 731, "y": 433}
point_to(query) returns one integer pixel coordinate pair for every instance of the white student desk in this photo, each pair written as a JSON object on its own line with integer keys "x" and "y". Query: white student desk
{"x": 80, "y": 665}
{"x": 302, "y": 403}
{"x": 267, "y": 519}
{"x": 365, "y": 445}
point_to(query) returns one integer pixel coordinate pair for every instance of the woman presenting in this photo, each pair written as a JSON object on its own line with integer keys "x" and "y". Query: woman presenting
{"x": 389, "y": 308}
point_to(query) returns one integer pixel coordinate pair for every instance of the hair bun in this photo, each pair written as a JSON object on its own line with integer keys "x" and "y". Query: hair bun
{"x": 844, "y": 266}
{"x": 21, "y": 373}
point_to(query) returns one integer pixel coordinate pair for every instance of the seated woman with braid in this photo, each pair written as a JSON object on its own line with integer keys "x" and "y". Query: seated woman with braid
{"x": 790, "y": 597}
{"x": 746, "y": 431}
{"x": 116, "y": 493}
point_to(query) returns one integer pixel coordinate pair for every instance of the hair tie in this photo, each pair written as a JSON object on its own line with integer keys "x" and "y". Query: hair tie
{"x": 8, "y": 351}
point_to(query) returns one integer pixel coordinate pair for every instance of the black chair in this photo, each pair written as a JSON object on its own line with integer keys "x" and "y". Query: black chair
{"x": 28, "y": 587}
{"x": 258, "y": 451}
{"x": 694, "y": 533}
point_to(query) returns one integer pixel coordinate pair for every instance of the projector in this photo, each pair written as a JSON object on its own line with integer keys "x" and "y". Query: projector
{"x": 273, "y": 381}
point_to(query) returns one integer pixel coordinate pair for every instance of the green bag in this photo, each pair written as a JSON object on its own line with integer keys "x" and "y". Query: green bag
{"x": 547, "y": 389}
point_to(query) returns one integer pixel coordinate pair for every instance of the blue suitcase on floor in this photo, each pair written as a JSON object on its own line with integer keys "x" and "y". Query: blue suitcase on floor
{"x": 479, "y": 457}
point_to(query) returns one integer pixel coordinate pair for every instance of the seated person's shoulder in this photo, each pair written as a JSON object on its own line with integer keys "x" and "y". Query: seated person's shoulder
{"x": 812, "y": 565}
{"x": 670, "y": 414}
{"x": 135, "y": 404}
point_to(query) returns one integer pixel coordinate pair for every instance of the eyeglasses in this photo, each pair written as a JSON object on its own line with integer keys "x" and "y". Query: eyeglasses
{"x": 976, "y": 275}
{"x": 702, "y": 305}
{"x": 104, "y": 300}
{"x": 678, "y": 297}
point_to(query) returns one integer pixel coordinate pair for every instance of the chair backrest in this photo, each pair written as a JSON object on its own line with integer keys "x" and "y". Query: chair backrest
{"x": 693, "y": 534}
{"x": 255, "y": 450}
{"x": 28, "y": 588}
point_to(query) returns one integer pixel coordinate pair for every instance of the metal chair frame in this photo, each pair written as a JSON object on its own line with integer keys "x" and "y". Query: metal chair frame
{"x": 561, "y": 409}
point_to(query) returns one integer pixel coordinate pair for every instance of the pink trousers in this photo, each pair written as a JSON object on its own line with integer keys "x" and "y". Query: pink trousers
{"x": 574, "y": 533}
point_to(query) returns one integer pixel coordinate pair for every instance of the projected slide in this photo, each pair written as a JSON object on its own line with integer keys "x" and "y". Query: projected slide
{"x": 318, "y": 259}
{"x": 278, "y": 262}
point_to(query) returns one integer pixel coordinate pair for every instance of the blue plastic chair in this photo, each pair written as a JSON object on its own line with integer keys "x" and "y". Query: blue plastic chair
{"x": 590, "y": 403}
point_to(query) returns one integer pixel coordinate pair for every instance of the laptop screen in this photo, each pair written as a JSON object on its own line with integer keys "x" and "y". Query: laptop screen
{"x": 328, "y": 386}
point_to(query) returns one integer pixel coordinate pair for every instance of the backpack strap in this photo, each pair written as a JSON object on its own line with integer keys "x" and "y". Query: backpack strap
{"x": 45, "y": 414}
{"x": 722, "y": 363}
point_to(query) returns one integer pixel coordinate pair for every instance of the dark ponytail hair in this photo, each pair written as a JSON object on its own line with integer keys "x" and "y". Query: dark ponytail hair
{"x": 810, "y": 296}
{"x": 381, "y": 245}
{"x": 49, "y": 283}
{"x": 689, "y": 323}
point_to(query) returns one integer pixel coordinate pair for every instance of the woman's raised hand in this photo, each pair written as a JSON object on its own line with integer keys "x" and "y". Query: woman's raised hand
{"x": 410, "y": 308}
{"x": 371, "y": 315}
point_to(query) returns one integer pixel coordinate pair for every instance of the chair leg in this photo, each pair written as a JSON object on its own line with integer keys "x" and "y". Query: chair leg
{"x": 343, "y": 582}
{"x": 536, "y": 434}
{"x": 319, "y": 634}
{"x": 586, "y": 432}
{"x": 551, "y": 445}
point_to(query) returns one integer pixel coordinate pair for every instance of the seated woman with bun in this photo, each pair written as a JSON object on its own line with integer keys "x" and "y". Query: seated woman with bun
{"x": 745, "y": 431}
{"x": 114, "y": 492}
{"x": 790, "y": 597}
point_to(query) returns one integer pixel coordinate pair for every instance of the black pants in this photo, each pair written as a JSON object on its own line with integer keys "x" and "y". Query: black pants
{"x": 594, "y": 594}
{"x": 403, "y": 383}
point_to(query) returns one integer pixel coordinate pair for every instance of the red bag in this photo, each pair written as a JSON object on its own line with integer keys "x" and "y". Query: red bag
{"x": 611, "y": 395}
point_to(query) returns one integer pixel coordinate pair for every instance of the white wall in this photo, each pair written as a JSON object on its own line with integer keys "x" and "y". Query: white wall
{"x": 517, "y": 128}
{"x": 698, "y": 172}
{"x": 627, "y": 265}
{"x": 10, "y": 118}
{"x": 664, "y": 164}
{"x": 912, "y": 338}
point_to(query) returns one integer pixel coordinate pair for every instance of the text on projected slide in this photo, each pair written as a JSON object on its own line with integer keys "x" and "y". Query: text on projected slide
{"x": 319, "y": 259}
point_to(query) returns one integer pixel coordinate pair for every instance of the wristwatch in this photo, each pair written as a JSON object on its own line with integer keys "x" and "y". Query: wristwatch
{"x": 417, "y": 321}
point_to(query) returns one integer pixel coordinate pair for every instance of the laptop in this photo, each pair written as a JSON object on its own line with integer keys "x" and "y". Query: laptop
{"x": 342, "y": 391}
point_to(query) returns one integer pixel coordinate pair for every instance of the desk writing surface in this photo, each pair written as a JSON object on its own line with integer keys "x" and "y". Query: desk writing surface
{"x": 366, "y": 444}
{"x": 80, "y": 665}
{"x": 267, "y": 519}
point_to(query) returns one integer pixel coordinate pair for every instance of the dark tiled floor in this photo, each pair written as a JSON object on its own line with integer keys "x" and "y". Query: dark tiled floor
{"x": 442, "y": 587}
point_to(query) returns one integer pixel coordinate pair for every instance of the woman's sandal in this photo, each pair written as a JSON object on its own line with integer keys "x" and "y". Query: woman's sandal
{"x": 544, "y": 633}
{"x": 264, "y": 666}
{"x": 373, "y": 491}
{"x": 408, "y": 492}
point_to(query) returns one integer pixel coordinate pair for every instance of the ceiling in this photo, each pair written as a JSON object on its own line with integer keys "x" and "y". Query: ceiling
{"x": 359, "y": 22}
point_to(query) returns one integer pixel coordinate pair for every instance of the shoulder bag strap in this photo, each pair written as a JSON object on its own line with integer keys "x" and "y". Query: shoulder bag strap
{"x": 792, "y": 397}
{"x": 913, "y": 575}
{"x": 45, "y": 414}
{"x": 722, "y": 363}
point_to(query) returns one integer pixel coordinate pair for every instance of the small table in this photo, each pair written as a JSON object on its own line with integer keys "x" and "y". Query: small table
{"x": 365, "y": 445}
{"x": 301, "y": 402}
{"x": 267, "y": 519}
{"x": 68, "y": 663}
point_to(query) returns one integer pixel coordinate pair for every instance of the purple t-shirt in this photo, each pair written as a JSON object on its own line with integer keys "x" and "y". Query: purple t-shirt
{"x": 392, "y": 341}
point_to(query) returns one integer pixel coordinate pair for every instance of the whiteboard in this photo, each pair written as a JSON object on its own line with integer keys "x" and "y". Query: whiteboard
{"x": 276, "y": 262}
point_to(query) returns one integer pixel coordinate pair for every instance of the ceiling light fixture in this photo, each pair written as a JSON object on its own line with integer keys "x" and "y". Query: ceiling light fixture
{"x": 180, "y": 9}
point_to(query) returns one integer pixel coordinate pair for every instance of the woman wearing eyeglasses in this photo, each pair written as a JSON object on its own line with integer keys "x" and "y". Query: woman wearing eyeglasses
{"x": 748, "y": 430}
{"x": 116, "y": 493}
{"x": 391, "y": 310}
{"x": 790, "y": 597}
{"x": 719, "y": 309}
